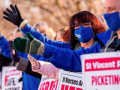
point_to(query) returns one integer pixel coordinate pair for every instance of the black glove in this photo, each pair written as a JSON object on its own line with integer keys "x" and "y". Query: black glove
{"x": 14, "y": 55}
{"x": 13, "y": 15}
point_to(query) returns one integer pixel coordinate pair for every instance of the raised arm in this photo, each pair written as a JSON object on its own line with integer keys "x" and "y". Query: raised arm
{"x": 60, "y": 57}
{"x": 14, "y": 17}
{"x": 68, "y": 59}
{"x": 44, "y": 68}
{"x": 28, "y": 28}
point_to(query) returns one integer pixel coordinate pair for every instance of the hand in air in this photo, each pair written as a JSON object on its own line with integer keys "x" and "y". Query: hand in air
{"x": 13, "y": 15}
{"x": 35, "y": 63}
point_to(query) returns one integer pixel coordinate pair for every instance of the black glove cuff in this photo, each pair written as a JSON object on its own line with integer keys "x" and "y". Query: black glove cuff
{"x": 20, "y": 22}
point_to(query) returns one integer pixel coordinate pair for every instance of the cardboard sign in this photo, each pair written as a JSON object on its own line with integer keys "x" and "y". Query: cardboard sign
{"x": 101, "y": 71}
{"x": 47, "y": 84}
{"x": 70, "y": 81}
{"x": 11, "y": 78}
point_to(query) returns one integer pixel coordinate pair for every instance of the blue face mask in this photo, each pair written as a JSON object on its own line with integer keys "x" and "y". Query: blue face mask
{"x": 83, "y": 34}
{"x": 113, "y": 21}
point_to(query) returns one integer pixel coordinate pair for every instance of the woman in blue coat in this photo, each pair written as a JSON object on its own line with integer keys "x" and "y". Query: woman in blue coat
{"x": 84, "y": 26}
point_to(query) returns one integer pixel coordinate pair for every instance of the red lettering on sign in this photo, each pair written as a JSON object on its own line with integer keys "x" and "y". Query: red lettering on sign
{"x": 56, "y": 85}
{"x": 47, "y": 86}
{"x": 42, "y": 86}
{"x": 93, "y": 79}
{"x": 102, "y": 64}
{"x": 79, "y": 89}
{"x": 66, "y": 87}
{"x": 6, "y": 79}
{"x": 50, "y": 85}
{"x": 102, "y": 80}
{"x": 72, "y": 88}
{"x": 106, "y": 80}
{"x": 62, "y": 87}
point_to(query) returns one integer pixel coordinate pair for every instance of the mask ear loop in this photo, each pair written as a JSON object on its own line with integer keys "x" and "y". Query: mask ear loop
{"x": 92, "y": 30}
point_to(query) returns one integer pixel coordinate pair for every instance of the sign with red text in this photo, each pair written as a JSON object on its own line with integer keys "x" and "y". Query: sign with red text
{"x": 70, "y": 81}
{"x": 11, "y": 78}
{"x": 101, "y": 71}
{"x": 48, "y": 84}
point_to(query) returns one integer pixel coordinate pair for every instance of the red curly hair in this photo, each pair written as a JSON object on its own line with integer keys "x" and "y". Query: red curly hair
{"x": 83, "y": 17}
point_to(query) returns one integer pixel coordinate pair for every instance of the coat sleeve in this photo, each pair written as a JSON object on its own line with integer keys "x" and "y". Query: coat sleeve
{"x": 4, "y": 47}
{"x": 39, "y": 36}
{"x": 48, "y": 70}
{"x": 5, "y": 50}
{"x": 105, "y": 36}
{"x": 30, "y": 72}
{"x": 68, "y": 59}
{"x": 25, "y": 66}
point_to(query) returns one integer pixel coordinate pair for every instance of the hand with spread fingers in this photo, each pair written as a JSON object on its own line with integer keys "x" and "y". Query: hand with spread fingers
{"x": 13, "y": 15}
{"x": 30, "y": 45}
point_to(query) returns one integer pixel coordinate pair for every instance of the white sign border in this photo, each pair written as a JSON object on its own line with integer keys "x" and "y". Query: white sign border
{"x": 71, "y": 74}
{"x": 96, "y": 55}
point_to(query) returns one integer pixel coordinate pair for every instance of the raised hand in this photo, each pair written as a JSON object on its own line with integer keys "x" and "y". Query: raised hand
{"x": 30, "y": 45}
{"x": 35, "y": 64}
{"x": 13, "y": 15}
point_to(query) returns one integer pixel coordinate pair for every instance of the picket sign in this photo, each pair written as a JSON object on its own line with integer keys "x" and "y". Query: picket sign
{"x": 11, "y": 78}
{"x": 47, "y": 83}
{"x": 101, "y": 71}
{"x": 67, "y": 81}
{"x": 70, "y": 81}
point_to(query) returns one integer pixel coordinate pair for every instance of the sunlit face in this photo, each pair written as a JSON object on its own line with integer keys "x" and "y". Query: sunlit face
{"x": 19, "y": 34}
{"x": 59, "y": 37}
{"x": 11, "y": 37}
{"x": 40, "y": 30}
{"x": 112, "y": 6}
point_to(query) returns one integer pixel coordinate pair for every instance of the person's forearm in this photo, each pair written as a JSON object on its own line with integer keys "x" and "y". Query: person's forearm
{"x": 68, "y": 59}
{"x": 28, "y": 28}
{"x": 25, "y": 66}
{"x": 4, "y": 47}
{"x": 48, "y": 70}
{"x": 63, "y": 58}
{"x": 32, "y": 73}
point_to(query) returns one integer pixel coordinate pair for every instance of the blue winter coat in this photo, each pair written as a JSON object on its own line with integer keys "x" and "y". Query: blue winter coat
{"x": 66, "y": 58}
{"x": 29, "y": 82}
